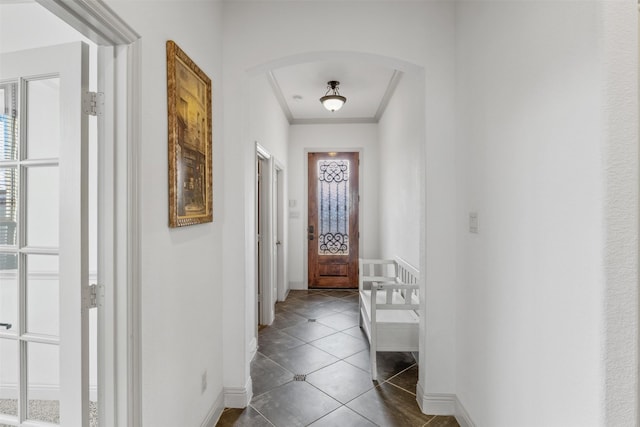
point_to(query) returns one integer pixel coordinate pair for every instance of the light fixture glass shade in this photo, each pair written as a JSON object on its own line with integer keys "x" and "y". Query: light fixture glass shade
{"x": 333, "y": 102}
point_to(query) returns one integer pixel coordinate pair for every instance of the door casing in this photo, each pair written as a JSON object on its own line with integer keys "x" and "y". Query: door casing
{"x": 119, "y": 76}
{"x": 266, "y": 270}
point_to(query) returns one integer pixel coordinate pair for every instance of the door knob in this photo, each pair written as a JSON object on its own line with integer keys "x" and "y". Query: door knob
{"x": 6, "y": 325}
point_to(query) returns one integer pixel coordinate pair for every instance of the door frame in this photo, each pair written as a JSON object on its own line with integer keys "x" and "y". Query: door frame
{"x": 119, "y": 77}
{"x": 270, "y": 275}
{"x": 280, "y": 266}
{"x": 264, "y": 274}
{"x": 305, "y": 201}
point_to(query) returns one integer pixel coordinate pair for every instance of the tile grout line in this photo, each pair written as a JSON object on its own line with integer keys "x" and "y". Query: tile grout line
{"x": 354, "y": 410}
{"x": 262, "y": 415}
{"x": 267, "y": 357}
{"x": 309, "y": 373}
{"x": 429, "y": 422}
{"x": 388, "y": 380}
{"x": 400, "y": 388}
{"x": 363, "y": 370}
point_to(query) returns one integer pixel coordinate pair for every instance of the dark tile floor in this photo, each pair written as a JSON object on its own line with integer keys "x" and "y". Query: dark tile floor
{"x": 312, "y": 369}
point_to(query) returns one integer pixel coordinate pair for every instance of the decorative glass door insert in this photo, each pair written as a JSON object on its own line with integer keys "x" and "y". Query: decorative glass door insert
{"x": 333, "y": 207}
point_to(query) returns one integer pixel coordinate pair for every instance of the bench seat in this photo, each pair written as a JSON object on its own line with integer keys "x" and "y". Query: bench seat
{"x": 390, "y": 316}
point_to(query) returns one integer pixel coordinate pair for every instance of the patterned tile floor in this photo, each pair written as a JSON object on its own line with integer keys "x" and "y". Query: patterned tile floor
{"x": 316, "y": 339}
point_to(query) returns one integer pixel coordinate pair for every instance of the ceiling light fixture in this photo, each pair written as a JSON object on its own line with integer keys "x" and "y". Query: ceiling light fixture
{"x": 335, "y": 101}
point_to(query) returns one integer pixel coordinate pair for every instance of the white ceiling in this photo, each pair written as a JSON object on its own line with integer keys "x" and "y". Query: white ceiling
{"x": 366, "y": 86}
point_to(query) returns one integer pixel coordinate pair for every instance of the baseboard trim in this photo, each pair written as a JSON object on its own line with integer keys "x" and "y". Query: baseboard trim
{"x": 238, "y": 397}
{"x": 443, "y": 404}
{"x": 463, "y": 417}
{"x": 435, "y": 403}
{"x": 215, "y": 412}
{"x": 297, "y": 286}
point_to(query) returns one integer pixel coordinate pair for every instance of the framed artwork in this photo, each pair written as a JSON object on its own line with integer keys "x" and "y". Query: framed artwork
{"x": 190, "y": 140}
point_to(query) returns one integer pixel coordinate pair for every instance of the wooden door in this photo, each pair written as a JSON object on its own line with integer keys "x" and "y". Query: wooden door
{"x": 332, "y": 232}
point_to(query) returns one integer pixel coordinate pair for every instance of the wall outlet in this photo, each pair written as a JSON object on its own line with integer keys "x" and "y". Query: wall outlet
{"x": 203, "y": 382}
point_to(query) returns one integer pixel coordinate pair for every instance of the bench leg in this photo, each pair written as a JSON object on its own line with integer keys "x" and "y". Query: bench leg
{"x": 374, "y": 361}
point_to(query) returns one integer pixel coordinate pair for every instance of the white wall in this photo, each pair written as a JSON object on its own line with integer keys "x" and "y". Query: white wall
{"x": 401, "y": 140}
{"x": 418, "y": 36}
{"x": 341, "y": 137}
{"x": 267, "y": 123}
{"x": 416, "y": 179}
{"x": 181, "y": 268}
{"x": 269, "y": 127}
{"x": 532, "y": 342}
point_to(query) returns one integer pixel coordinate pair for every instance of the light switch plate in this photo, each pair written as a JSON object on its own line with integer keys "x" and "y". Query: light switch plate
{"x": 473, "y": 222}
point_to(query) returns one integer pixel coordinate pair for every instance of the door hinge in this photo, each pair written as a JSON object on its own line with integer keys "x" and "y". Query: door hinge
{"x": 91, "y": 295}
{"x": 93, "y": 103}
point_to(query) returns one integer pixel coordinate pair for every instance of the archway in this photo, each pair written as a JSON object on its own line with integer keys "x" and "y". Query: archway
{"x": 417, "y": 73}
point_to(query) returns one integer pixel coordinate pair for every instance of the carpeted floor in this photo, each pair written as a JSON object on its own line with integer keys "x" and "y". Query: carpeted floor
{"x": 44, "y": 410}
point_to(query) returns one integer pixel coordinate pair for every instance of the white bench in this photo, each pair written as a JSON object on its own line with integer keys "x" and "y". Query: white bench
{"x": 389, "y": 306}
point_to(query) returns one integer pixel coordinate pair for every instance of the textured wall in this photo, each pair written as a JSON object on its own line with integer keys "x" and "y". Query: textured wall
{"x": 620, "y": 210}
{"x": 546, "y": 110}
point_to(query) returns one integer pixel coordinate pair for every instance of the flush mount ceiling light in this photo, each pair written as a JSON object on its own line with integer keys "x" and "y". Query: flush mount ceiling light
{"x": 335, "y": 101}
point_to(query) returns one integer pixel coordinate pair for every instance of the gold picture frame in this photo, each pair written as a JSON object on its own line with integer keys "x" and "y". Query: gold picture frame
{"x": 190, "y": 140}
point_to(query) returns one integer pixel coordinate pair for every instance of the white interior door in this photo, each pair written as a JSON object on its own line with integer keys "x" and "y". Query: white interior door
{"x": 44, "y": 237}
{"x": 275, "y": 239}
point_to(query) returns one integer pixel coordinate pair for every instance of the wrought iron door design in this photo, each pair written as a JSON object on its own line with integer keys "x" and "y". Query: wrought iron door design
{"x": 333, "y": 207}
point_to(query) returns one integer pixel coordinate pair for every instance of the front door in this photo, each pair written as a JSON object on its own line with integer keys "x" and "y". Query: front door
{"x": 332, "y": 232}
{"x": 43, "y": 237}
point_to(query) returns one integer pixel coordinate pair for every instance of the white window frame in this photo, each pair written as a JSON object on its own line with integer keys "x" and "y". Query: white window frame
{"x": 119, "y": 375}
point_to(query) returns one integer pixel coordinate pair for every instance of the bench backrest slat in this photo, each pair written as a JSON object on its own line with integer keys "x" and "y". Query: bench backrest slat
{"x": 376, "y": 270}
{"x": 408, "y": 274}
{"x": 390, "y": 276}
